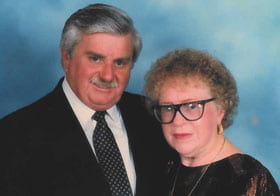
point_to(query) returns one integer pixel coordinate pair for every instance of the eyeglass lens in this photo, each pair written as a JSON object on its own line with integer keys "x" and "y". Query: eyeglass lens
{"x": 190, "y": 111}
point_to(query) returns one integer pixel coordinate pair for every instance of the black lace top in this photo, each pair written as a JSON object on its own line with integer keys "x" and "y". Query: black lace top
{"x": 237, "y": 175}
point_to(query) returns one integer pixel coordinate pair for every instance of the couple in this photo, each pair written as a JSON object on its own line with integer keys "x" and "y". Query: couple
{"x": 89, "y": 137}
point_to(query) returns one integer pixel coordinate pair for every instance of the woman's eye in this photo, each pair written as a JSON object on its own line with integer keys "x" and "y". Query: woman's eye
{"x": 192, "y": 106}
{"x": 167, "y": 109}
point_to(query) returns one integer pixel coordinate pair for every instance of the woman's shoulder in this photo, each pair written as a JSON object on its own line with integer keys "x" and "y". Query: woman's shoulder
{"x": 241, "y": 164}
{"x": 248, "y": 169}
{"x": 241, "y": 167}
{"x": 245, "y": 164}
{"x": 245, "y": 173}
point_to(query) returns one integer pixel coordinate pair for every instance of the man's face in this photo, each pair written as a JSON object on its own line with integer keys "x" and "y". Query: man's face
{"x": 99, "y": 68}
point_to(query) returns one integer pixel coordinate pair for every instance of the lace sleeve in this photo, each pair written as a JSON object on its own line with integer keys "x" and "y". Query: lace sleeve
{"x": 262, "y": 184}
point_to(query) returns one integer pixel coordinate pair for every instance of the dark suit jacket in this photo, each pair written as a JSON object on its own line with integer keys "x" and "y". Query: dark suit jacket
{"x": 44, "y": 151}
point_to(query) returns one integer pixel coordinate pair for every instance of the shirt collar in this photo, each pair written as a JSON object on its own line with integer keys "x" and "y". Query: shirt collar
{"x": 114, "y": 115}
{"x": 83, "y": 112}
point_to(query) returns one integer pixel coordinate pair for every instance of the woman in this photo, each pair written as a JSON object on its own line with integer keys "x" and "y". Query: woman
{"x": 194, "y": 96}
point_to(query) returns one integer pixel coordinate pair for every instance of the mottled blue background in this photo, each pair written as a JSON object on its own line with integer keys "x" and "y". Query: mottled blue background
{"x": 243, "y": 34}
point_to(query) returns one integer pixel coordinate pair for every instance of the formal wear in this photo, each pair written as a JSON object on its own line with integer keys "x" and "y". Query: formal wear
{"x": 115, "y": 122}
{"x": 45, "y": 151}
{"x": 109, "y": 157}
{"x": 236, "y": 175}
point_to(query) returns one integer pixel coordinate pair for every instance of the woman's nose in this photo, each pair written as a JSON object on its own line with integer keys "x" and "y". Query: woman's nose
{"x": 178, "y": 119}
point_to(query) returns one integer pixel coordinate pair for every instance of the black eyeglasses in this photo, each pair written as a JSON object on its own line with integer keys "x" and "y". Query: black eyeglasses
{"x": 191, "y": 111}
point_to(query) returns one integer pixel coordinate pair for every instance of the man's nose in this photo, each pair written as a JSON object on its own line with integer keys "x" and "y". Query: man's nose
{"x": 107, "y": 71}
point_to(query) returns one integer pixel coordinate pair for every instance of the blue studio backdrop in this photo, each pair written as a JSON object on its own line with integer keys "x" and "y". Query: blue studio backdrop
{"x": 242, "y": 34}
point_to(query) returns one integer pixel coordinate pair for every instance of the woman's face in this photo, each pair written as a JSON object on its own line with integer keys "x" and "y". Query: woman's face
{"x": 191, "y": 139}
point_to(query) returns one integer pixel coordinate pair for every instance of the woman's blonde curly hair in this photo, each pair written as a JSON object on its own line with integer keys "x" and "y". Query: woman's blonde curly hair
{"x": 189, "y": 63}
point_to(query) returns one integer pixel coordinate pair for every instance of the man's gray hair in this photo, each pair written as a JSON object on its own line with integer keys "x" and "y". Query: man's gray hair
{"x": 98, "y": 18}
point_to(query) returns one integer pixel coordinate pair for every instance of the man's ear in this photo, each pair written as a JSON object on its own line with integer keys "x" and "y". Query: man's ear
{"x": 65, "y": 60}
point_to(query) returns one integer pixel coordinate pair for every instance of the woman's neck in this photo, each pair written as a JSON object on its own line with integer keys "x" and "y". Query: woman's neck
{"x": 223, "y": 148}
{"x": 207, "y": 155}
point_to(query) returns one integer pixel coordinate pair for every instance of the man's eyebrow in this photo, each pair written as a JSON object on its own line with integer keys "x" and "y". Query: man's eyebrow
{"x": 94, "y": 54}
{"x": 90, "y": 53}
{"x": 124, "y": 59}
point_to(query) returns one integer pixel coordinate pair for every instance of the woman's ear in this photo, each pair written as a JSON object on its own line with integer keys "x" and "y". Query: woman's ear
{"x": 221, "y": 116}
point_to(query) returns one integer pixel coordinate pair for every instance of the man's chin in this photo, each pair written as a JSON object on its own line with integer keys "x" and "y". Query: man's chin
{"x": 103, "y": 103}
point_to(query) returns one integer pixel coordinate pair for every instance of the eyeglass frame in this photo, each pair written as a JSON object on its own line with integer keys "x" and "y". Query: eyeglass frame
{"x": 177, "y": 108}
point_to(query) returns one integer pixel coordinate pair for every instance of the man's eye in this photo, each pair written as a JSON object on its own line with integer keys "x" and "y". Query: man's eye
{"x": 120, "y": 62}
{"x": 95, "y": 58}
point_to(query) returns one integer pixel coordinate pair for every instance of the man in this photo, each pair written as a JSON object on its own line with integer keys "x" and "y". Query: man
{"x": 49, "y": 148}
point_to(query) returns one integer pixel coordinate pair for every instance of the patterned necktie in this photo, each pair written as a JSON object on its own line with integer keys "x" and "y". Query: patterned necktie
{"x": 109, "y": 157}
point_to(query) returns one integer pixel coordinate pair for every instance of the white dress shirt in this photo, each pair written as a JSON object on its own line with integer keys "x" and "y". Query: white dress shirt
{"x": 115, "y": 123}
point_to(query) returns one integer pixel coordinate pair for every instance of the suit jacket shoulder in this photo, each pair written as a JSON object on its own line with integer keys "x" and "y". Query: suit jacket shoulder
{"x": 45, "y": 152}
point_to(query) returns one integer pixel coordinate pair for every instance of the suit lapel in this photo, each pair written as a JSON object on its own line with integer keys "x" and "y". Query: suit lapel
{"x": 72, "y": 147}
{"x": 131, "y": 117}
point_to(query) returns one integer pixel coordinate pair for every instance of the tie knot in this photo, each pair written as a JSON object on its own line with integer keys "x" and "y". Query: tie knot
{"x": 99, "y": 115}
